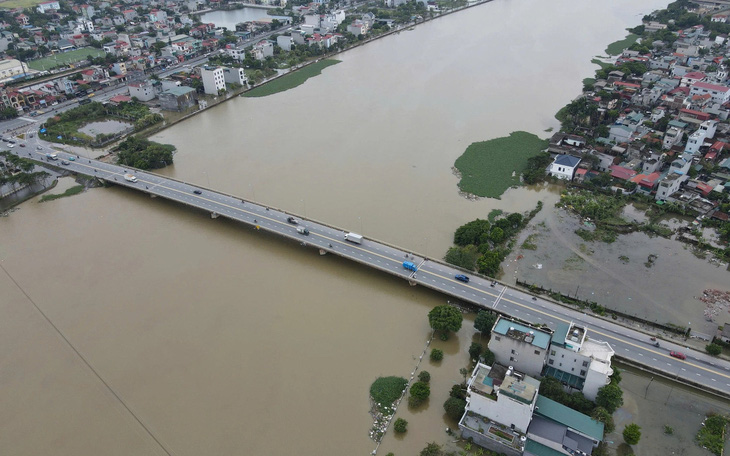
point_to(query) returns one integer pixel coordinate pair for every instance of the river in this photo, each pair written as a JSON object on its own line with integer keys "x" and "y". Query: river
{"x": 193, "y": 335}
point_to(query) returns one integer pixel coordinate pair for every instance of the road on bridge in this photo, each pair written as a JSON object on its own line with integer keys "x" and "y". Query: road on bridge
{"x": 698, "y": 369}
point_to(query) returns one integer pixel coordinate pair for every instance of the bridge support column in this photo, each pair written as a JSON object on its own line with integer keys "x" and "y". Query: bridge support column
{"x": 412, "y": 283}
{"x": 152, "y": 195}
{"x": 214, "y": 215}
{"x": 322, "y": 252}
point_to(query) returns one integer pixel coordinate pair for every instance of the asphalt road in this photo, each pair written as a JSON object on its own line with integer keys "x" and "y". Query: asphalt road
{"x": 634, "y": 346}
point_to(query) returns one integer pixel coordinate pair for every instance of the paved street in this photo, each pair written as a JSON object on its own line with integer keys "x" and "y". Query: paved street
{"x": 634, "y": 346}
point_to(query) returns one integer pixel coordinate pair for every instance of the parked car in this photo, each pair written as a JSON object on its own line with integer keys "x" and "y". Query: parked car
{"x": 462, "y": 277}
{"x": 678, "y": 355}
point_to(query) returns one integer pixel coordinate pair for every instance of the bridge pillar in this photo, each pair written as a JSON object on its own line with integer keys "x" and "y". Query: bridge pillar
{"x": 412, "y": 283}
{"x": 214, "y": 215}
{"x": 322, "y": 252}
{"x": 152, "y": 195}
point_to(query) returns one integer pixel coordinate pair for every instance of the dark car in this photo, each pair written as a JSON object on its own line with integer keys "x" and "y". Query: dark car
{"x": 197, "y": 192}
{"x": 462, "y": 277}
{"x": 677, "y": 355}
{"x": 64, "y": 162}
{"x": 292, "y": 220}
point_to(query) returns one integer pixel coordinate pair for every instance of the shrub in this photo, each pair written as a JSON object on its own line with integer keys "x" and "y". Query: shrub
{"x": 488, "y": 357}
{"x": 437, "y": 355}
{"x": 632, "y": 434}
{"x": 713, "y": 349}
{"x": 424, "y": 377}
{"x": 400, "y": 426}
{"x": 420, "y": 391}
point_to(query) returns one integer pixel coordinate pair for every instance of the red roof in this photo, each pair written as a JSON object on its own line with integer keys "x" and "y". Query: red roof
{"x": 684, "y": 90}
{"x": 708, "y": 86}
{"x": 711, "y": 155}
{"x": 619, "y": 172}
{"x": 695, "y": 75}
{"x": 647, "y": 181}
{"x": 704, "y": 188}
{"x": 627, "y": 85}
{"x": 580, "y": 171}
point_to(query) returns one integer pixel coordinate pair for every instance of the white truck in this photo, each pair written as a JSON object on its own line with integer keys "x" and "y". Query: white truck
{"x": 352, "y": 237}
{"x": 130, "y": 178}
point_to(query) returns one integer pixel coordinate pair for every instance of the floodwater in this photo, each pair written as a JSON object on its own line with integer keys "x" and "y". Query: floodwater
{"x": 653, "y": 403}
{"x": 136, "y": 326}
{"x": 620, "y": 275}
{"x": 229, "y": 19}
{"x": 104, "y": 128}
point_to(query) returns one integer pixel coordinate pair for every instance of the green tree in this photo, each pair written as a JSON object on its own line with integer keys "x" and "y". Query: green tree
{"x": 464, "y": 257}
{"x": 436, "y": 355}
{"x": 610, "y": 397}
{"x": 632, "y": 434}
{"x": 400, "y": 426}
{"x": 475, "y": 350}
{"x": 485, "y": 321}
{"x": 454, "y": 407}
{"x": 489, "y": 263}
{"x": 8, "y": 113}
{"x": 420, "y": 391}
{"x": 713, "y": 349}
{"x": 488, "y": 357}
{"x": 445, "y": 318}
{"x": 602, "y": 415}
{"x": 424, "y": 376}
{"x": 471, "y": 233}
{"x": 432, "y": 449}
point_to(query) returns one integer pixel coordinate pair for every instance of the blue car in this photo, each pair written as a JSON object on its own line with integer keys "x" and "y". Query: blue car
{"x": 462, "y": 277}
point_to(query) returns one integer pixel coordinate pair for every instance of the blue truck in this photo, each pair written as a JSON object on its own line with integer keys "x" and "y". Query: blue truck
{"x": 410, "y": 266}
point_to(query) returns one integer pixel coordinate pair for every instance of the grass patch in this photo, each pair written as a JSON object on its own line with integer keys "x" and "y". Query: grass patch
{"x": 64, "y": 58}
{"x": 603, "y": 65}
{"x": 75, "y": 190}
{"x": 493, "y": 214}
{"x": 386, "y": 390}
{"x": 529, "y": 243}
{"x": 10, "y": 4}
{"x": 489, "y": 168}
{"x": 617, "y": 47}
{"x": 588, "y": 81}
{"x": 712, "y": 434}
{"x": 291, "y": 80}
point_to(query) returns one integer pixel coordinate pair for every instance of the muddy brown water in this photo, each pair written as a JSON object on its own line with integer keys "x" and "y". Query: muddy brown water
{"x": 194, "y": 335}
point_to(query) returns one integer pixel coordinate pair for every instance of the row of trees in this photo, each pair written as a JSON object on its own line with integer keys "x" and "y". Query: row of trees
{"x": 19, "y": 171}
{"x": 144, "y": 154}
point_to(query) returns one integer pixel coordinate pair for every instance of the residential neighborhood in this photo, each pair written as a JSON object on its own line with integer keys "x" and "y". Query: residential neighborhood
{"x": 60, "y": 51}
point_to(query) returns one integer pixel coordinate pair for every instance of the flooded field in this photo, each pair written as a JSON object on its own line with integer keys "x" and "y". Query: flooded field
{"x": 106, "y": 127}
{"x": 655, "y": 404}
{"x": 650, "y": 277}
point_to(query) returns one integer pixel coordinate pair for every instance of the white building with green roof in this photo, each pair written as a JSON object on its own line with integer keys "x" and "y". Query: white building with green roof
{"x": 520, "y": 345}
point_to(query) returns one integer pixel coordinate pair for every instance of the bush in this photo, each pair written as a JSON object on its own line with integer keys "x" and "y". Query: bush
{"x": 713, "y": 349}
{"x": 420, "y": 391}
{"x": 711, "y": 434}
{"x": 484, "y": 321}
{"x": 488, "y": 357}
{"x": 445, "y": 318}
{"x": 632, "y": 434}
{"x": 454, "y": 407}
{"x": 610, "y": 397}
{"x": 424, "y": 377}
{"x": 400, "y": 426}
{"x": 437, "y": 355}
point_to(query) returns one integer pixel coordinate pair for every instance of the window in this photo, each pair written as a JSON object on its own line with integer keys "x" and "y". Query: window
{"x": 511, "y": 358}
{"x": 512, "y": 351}
{"x": 551, "y": 362}
{"x": 561, "y": 364}
{"x": 562, "y": 356}
{"x": 497, "y": 338}
{"x": 585, "y": 363}
{"x": 582, "y": 373}
{"x": 537, "y": 352}
{"x": 552, "y": 352}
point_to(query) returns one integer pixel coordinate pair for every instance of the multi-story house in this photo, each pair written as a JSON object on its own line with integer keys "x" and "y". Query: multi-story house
{"x": 520, "y": 345}
{"x": 579, "y": 362}
{"x": 213, "y": 79}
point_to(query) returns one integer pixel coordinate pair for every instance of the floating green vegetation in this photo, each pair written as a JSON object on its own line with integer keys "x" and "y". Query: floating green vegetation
{"x": 617, "y": 47}
{"x": 75, "y": 190}
{"x": 291, "y": 80}
{"x": 489, "y": 168}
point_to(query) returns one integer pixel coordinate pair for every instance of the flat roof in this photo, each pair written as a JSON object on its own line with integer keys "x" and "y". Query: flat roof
{"x": 522, "y": 390}
{"x": 528, "y": 334}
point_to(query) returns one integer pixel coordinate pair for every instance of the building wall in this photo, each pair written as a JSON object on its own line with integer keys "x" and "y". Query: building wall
{"x": 144, "y": 93}
{"x": 213, "y": 80}
{"x": 234, "y": 76}
{"x": 488, "y": 443}
{"x": 562, "y": 172}
{"x": 568, "y": 361}
{"x": 524, "y": 357}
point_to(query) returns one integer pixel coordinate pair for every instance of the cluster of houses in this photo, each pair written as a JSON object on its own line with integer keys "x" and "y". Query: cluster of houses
{"x": 671, "y": 139}
{"x": 505, "y": 412}
{"x": 146, "y": 36}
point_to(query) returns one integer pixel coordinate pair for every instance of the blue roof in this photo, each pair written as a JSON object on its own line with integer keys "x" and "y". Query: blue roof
{"x": 540, "y": 339}
{"x": 561, "y": 330}
{"x": 538, "y": 449}
{"x": 566, "y": 416}
{"x": 567, "y": 160}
